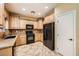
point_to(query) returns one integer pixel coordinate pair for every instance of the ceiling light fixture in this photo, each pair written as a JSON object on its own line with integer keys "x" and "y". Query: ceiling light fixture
{"x": 46, "y": 7}
{"x": 23, "y": 9}
{"x": 39, "y": 14}
{"x": 33, "y": 12}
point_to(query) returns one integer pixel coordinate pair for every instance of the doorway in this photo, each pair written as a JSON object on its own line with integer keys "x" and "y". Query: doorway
{"x": 65, "y": 33}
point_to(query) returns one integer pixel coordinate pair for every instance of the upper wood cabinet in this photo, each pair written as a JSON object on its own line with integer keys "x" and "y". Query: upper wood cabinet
{"x": 22, "y": 24}
{"x": 14, "y": 22}
{"x": 6, "y": 19}
{"x": 40, "y": 24}
{"x": 48, "y": 19}
{"x": 35, "y": 25}
{"x": 1, "y": 13}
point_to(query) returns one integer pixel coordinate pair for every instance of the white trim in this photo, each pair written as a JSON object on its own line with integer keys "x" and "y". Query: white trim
{"x": 74, "y": 32}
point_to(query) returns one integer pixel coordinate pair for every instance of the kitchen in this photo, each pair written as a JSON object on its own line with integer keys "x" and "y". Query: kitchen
{"x": 39, "y": 29}
{"x": 13, "y": 24}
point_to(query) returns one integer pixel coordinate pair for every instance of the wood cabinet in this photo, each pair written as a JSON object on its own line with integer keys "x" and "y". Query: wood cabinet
{"x": 14, "y": 22}
{"x": 18, "y": 23}
{"x": 21, "y": 40}
{"x": 22, "y": 24}
{"x": 40, "y": 24}
{"x": 39, "y": 36}
{"x": 35, "y": 25}
{"x": 6, "y": 19}
{"x": 1, "y": 13}
{"x": 49, "y": 19}
{"x": 6, "y": 51}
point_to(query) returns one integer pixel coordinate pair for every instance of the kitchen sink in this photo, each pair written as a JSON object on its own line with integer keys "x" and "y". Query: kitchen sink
{"x": 10, "y": 37}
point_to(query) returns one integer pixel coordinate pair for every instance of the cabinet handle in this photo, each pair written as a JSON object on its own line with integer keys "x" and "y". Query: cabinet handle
{"x": 70, "y": 39}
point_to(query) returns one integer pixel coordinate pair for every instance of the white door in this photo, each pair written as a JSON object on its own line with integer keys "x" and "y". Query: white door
{"x": 65, "y": 35}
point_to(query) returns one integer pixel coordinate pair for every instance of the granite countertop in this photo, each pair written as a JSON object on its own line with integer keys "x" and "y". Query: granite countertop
{"x": 4, "y": 43}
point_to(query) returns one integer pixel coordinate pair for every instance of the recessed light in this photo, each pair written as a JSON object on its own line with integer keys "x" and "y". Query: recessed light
{"x": 23, "y": 9}
{"x": 46, "y": 7}
{"x": 39, "y": 14}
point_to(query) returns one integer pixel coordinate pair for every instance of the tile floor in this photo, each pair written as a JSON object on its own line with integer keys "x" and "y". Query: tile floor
{"x": 34, "y": 49}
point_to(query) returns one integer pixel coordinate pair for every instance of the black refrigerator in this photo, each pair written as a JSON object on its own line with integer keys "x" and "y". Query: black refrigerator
{"x": 49, "y": 35}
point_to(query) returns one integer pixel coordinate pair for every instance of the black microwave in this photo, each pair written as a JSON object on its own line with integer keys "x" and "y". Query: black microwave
{"x": 29, "y": 27}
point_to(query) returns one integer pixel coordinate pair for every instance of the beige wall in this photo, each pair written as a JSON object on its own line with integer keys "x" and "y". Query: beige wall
{"x": 61, "y": 8}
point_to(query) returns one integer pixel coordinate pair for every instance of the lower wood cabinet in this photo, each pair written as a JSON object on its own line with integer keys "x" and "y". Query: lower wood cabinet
{"x": 39, "y": 37}
{"x": 21, "y": 40}
{"x": 6, "y": 51}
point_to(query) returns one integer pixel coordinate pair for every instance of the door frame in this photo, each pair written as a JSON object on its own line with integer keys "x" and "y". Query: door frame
{"x": 64, "y": 13}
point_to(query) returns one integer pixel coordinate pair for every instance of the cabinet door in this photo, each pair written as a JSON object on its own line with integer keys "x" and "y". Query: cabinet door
{"x": 14, "y": 22}
{"x": 22, "y": 24}
{"x": 35, "y": 25}
{"x": 6, "y": 52}
{"x": 36, "y": 36}
{"x": 49, "y": 19}
{"x": 18, "y": 41}
{"x": 6, "y": 19}
{"x": 23, "y": 39}
{"x": 1, "y": 14}
{"x": 39, "y": 37}
{"x": 40, "y": 24}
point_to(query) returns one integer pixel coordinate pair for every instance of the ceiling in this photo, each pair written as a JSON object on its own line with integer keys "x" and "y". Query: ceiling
{"x": 30, "y": 9}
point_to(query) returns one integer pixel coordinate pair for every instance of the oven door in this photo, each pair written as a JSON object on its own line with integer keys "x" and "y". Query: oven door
{"x": 30, "y": 37}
